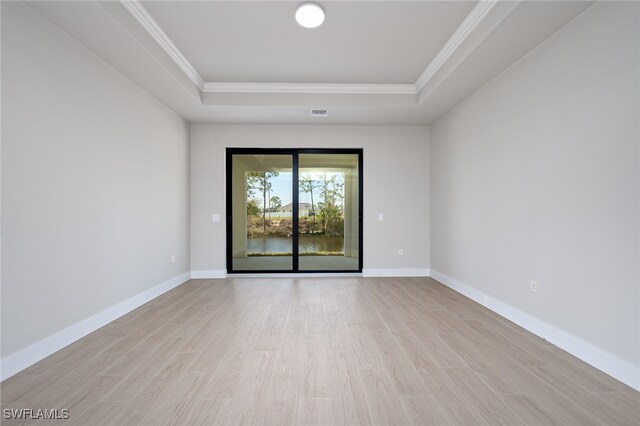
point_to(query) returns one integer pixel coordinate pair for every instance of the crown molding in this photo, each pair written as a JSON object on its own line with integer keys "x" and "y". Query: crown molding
{"x": 462, "y": 33}
{"x": 470, "y": 23}
{"x": 311, "y": 88}
{"x": 148, "y": 23}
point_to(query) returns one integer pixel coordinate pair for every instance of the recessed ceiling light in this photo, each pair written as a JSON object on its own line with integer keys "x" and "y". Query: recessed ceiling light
{"x": 309, "y": 15}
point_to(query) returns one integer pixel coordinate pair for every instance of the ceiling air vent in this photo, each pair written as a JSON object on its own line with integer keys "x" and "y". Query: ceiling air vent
{"x": 319, "y": 113}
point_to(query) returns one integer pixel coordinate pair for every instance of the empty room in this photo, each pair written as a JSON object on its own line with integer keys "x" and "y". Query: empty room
{"x": 320, "y": 213}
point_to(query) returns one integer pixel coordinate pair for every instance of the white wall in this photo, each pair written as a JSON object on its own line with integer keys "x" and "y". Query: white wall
{"x": 95, "y": 184}
{"x": 395, "y": 160}
{"x": 536, "y": 177}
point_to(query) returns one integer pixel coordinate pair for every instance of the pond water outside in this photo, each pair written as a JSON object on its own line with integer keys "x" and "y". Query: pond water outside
{"x": 308, "y": 244}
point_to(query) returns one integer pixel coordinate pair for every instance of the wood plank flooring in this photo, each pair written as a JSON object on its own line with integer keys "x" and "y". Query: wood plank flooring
{"x": 326, "y": 351}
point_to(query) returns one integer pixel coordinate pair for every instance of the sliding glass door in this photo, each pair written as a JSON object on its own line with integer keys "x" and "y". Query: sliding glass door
{"x": 261, "y": 232}
{"x": 294, "y": 210}
{"x": 329, "y": 213}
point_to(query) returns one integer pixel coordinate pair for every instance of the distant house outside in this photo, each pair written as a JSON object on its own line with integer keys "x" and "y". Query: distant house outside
{"x": 304, "y": 209}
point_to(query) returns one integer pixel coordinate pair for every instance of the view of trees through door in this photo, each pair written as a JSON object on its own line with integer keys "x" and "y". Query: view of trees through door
{"x": 267, "y": 234}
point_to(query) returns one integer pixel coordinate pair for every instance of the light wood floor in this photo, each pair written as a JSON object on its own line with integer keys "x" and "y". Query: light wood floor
{"x": 318, "y": 351}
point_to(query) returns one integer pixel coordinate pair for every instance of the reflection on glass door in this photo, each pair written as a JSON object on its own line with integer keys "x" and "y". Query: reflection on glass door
{"x": 329, "y": 213}
{"x": 294, "y": 210}
{"x": 261, "y": 196}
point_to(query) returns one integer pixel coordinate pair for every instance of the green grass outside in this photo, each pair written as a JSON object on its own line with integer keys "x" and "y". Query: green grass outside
{"x": 314, "y": 253}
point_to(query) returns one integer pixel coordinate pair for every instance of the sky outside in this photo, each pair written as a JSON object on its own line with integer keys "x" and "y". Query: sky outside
{"x": 281, "y": 187}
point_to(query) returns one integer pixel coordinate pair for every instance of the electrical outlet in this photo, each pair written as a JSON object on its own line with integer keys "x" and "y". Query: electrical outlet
{"x": 380, "y": 217}
{"x": 533, "y": 286}
{"x": 173, "y": 258}
{"x": 400, "y": 252}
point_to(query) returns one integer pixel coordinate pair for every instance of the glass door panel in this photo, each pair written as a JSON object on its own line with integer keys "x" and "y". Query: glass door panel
{"x": 329, "y": 212}
{"x": 261, "y": 212}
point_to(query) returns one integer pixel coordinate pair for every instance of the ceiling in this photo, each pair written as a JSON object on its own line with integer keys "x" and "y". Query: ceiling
{"x": 307, "y": 162}
{"x": 359, "y": 42}
{"x": 371, "y": 62}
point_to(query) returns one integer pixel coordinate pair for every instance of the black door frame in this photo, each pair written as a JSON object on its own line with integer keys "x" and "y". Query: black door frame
{"x": 294, "y": 152}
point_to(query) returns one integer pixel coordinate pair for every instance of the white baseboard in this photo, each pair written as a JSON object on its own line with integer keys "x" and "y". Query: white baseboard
{"x": 587, "y": 352}
{"x": 208, "y": 274}
{"x": 408, "y": 272}
{"x": 28, "y": 356}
